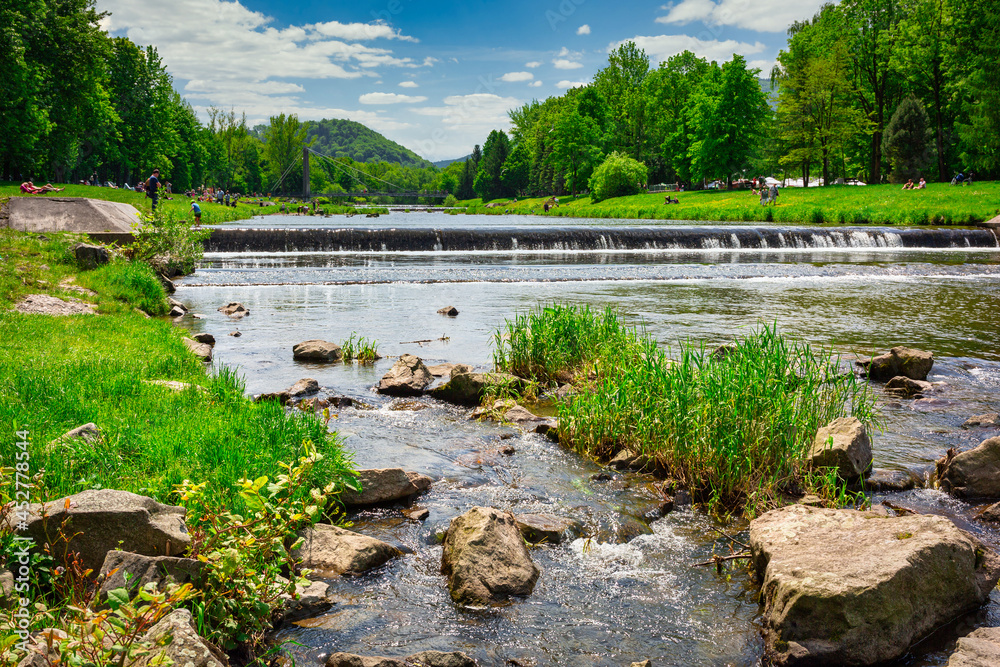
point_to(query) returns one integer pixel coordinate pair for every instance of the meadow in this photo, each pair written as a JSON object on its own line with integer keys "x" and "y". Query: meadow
{"x": 938, "y": 204}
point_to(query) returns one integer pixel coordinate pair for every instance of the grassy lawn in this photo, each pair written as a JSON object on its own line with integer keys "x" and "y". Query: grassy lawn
{"x": 939, "y": 204}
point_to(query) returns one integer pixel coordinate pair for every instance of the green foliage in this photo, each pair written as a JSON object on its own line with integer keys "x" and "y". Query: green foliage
{"x": 360, "y": 348}
{"x": 284, "y": 139}
{"x": 347, "y": 138}
{"x": 618, "y": 176}
{"x": 167, "y": 235}
{"x": 123, "y": 285}
{"x": 488, "y": 183}
{"x": 905, "y": 140}
{"x": 733, "y": 428}
{"x": 449, "y": 201}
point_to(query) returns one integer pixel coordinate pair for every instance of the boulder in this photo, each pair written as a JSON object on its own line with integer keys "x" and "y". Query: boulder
{"x": 174, "y": 303}
{"x": 980, "y": 648}
{"x": 449, "y": 369}
{"x": 471, "y": 388}
{"x": 618, "y": 528}
{"x": 133, "y": 571}
{"x": 88, "y": 434}
{"x": 176, "y": 312}
{"x": 416, "y": 513}
{"x": 6, "y": 583}
{"x": 91, "y": 256}
{"x": 906, "y": 361}
{"x": 883, "y": 481}
{"x": 547, "y": 528}
{"x": 450, "y": 311}
{"x": 905, "y": 387}
{"x": 281, "y": 397}
{"x": 972, "y": 474}
{"x": 106, "y": 520}
{"x": 331, "y": 551}
{"x": 310, "y": 600}
{"x": 385, "y": 485}
{"x": 185, "y": 647}
{"x": 842, "y": 587}
{"x": 303, "y": 387}
{"x": 168, "y": 285}
{"x": 200, "y": 350}
{"x": 441, "y": 659}
{"x": 204, "y": 338}
{"x": 485, "y": 558}
{"x": 644, "y": 663}
{"x": 990, "y": 419}
{"x": 234, "y": 309}
{"x": 842, "y": 444}
{"x": 408, "y": 377}
{"x": 422, "y": 659}
{"x": 990, "y": 513}
{"x": 317, "y": 350}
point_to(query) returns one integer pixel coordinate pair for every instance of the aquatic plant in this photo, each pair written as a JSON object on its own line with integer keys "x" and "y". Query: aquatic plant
{"x": 359, "y": 348}
{"x": 732, "y": 425}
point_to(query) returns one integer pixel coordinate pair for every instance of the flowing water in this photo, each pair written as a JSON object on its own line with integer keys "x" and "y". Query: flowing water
{"x": 606, "y": 599}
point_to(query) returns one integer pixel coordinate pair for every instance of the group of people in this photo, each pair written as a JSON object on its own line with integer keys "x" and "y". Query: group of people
{"x": 768, "y": 195}
{"x": 919, "y": 186}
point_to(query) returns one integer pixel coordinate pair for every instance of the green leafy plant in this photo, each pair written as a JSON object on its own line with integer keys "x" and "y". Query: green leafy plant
{"x": 360, "y": 348}
{"x": 618, "y": 176}
{"x": 169, "y": 237}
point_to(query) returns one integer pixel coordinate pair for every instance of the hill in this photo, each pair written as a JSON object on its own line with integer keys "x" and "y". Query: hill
{"x": 346, "y": 138}
{"x": 441, "y": 164}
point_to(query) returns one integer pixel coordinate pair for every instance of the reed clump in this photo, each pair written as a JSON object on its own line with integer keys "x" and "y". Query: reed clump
{"x": 732, "y": 425}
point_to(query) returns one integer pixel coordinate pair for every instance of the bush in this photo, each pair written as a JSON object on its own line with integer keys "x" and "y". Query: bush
{"x": 171, "y": 237}
{"x": 450, "y": 200}
{"x": 618, "y": 176}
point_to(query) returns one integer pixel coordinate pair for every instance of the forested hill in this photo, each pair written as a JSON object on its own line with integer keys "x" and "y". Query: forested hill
{"x": 345, "y": 138}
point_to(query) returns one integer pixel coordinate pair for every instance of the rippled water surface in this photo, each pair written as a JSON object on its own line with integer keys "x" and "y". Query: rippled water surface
{"x": 598, "y": 601}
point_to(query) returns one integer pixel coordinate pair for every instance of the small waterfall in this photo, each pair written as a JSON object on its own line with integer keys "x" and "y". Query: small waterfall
{"x": 589, "y": 239}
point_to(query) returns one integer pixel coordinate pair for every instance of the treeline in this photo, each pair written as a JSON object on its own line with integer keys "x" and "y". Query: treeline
{"x": 867, "y": 89}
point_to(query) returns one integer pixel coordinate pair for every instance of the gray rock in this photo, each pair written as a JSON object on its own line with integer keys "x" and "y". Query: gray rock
{"x": 618, "y": 528}
{"x": 980, "y": 648}
{"x": 205, "y": 338}
{"x": 547, "y": 528}
{"x": 133, "y": 571}
{"x": 417, "y": 513}
{"x": 185, "y": 649}
{"x": 990, "y": 419}
{"x": 91, "y": 256}
{"x": 174, "y": 303}
{"x": 449, "y": 369}
{"x": 385, "y": 485}
{"x": 281, "y": 397}
{"x": 310, "y": 600}
{"x": 303, "y": 387}
{"x": 408, "y": 377}
{"x": 317, "y": 350}
{"x": 450, "y": 311}
{"x": 905, "y": 387}
{"x": 991, "y": 513}
{"x": 471, "y": 388}
{"x": 168, "y": 285}
{"x": 906, "y": 361}
{"x": 88, "y": 434}
{"x": 842, "y": 444}
{"x": 441, "y": 659}
{"x": 44, "y": 304}
{"x": 200, "y": 350}
{"x": 331, "y": 551}
{"x": 176, "y": 312}
{"x": 972, "y": 474}
{"x": 6, "y": 583}
{"x": 235, "y": 310}
{"x": 485, "y": 558}
{"x": 883, "y": 481}
{"x": 842, "y": 587}
{"x": 105, "y": 520}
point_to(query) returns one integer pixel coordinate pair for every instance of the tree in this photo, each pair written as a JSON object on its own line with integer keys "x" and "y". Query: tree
{"x": 621, "y": 84}
{"x": 905, "y": 140}
{"x": 23, "y": 120}
{"x": 618, "y": 176}
{"x": 516, "y": 170}
{"x": 574, "y": 148}
{"x": 977, "y": 83}
{"x": 284, "y": 138}
{"x": 488, "y": 183}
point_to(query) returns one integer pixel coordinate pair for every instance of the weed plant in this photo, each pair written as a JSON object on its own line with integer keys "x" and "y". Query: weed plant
{"x": 733, "y": 428}
{"x": 360, "y": 348}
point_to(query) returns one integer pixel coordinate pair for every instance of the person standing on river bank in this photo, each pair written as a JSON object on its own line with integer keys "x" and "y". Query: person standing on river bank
{"x": 153, "y": 187}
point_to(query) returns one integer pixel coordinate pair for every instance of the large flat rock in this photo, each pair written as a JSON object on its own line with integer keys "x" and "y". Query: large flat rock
{"x": 842, "y": 587}
{"x": 71, "y": 214}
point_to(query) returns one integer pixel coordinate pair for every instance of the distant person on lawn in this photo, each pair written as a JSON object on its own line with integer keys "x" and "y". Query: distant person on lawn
{"x": 197, "y": 213}
{"x": 153, "y": 187}
{"x": 30, "y": 188}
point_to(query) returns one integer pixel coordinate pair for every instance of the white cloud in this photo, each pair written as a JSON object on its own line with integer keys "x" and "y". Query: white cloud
{"x": 759, "y": 15}
{"x": 356, "y": 31}
{"x": 535, "y": 84}
{"x": 390, "y": 98}
{"x": 583, "y": 30}
{"x": 661, "y": 47}
{"x": 533, "y": 64}
{"x": 514, "y": 77}
{"x": 465, "y": 120}
{"x": 562, "y": 63}
{"x": 570, "y": 84}
{"x": 408, "y": 84}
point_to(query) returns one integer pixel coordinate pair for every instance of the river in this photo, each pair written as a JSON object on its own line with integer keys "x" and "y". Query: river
{"x": 598, "y": 601}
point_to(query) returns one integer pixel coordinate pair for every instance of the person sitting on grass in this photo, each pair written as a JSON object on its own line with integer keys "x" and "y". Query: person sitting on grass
{"x": 30, "y": 188}
{"x": 908, "y": 185}
{"x": 922, "y": 184}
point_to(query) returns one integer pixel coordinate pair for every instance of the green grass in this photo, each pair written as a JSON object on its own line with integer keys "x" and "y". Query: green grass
{"x": 33, "y": 265}
{"x": 360, "y": 348}
{"x": 122, "y": 286}
{"x": 733, "y": 430}
{"x": 939, "y": 204}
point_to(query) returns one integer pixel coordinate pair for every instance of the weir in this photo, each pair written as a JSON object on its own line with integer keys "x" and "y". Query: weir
{"x": 590, "y": 239}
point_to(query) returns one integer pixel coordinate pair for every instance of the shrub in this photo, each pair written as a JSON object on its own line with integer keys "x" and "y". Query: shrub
{"x": 450, "y": 201}
{"x": 168, "y": 235}
{"x": 618, "y": 176}
{"x": 905, "y": 140}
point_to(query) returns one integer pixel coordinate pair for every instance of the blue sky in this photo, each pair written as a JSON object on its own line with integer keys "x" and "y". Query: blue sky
{"x": 435, "y": 77}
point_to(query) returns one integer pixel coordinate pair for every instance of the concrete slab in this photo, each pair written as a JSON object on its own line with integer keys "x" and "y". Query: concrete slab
{"x": 109, "y": 221}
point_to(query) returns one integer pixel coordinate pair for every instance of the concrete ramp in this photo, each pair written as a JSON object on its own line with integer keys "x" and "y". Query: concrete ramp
{"x": 102, "y": 220}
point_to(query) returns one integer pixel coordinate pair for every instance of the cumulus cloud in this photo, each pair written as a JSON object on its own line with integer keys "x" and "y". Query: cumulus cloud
{"x": 570, "y": 84}
{"x": 533, "y": 64}
{"x": 562, "y": 63}
{"x": 759, "y": 15}
{"x": 661, "y": 47}
{"x": 583, "y": 30}
{"x": 390, "y": 98}
{"x": 514, "y": 77}
{"x": 408, "y": 84}
{"x": 354, "y": 32}
{"x": 535, "y": 84}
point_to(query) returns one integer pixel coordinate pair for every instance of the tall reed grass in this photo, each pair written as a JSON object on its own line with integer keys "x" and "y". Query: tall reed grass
{"x": 734, "y": 428}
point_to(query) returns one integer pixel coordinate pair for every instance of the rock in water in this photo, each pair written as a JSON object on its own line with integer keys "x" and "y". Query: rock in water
{"x": 385, "y": 485}
{"x": 422, "y": 659}
{"x": 842, "y": 444}
{"x": 470, "y": 388}
{"x": 317, "y": 350}
{"x": 989, "y": 419}
{"x": 450, "y": 311}
{"x": 205, "y": 338}
{"x": 303, "y": 387}
{"x": 105, "y": 520}
{"x": 980, "y": 648}
{"x": 906, "y": 361}
{"x": 331, "y": 551}
{"x": 200, "y": 350}
{"x": 842, "y": 587}
{"x": 234, "y": 309}
{"x": 904, "y": 387}
{"x": 408, "y": 377}
{"x": 972, "y": 474}
{"x": 547, "y": 528}
{"x": 485, "y": 558}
